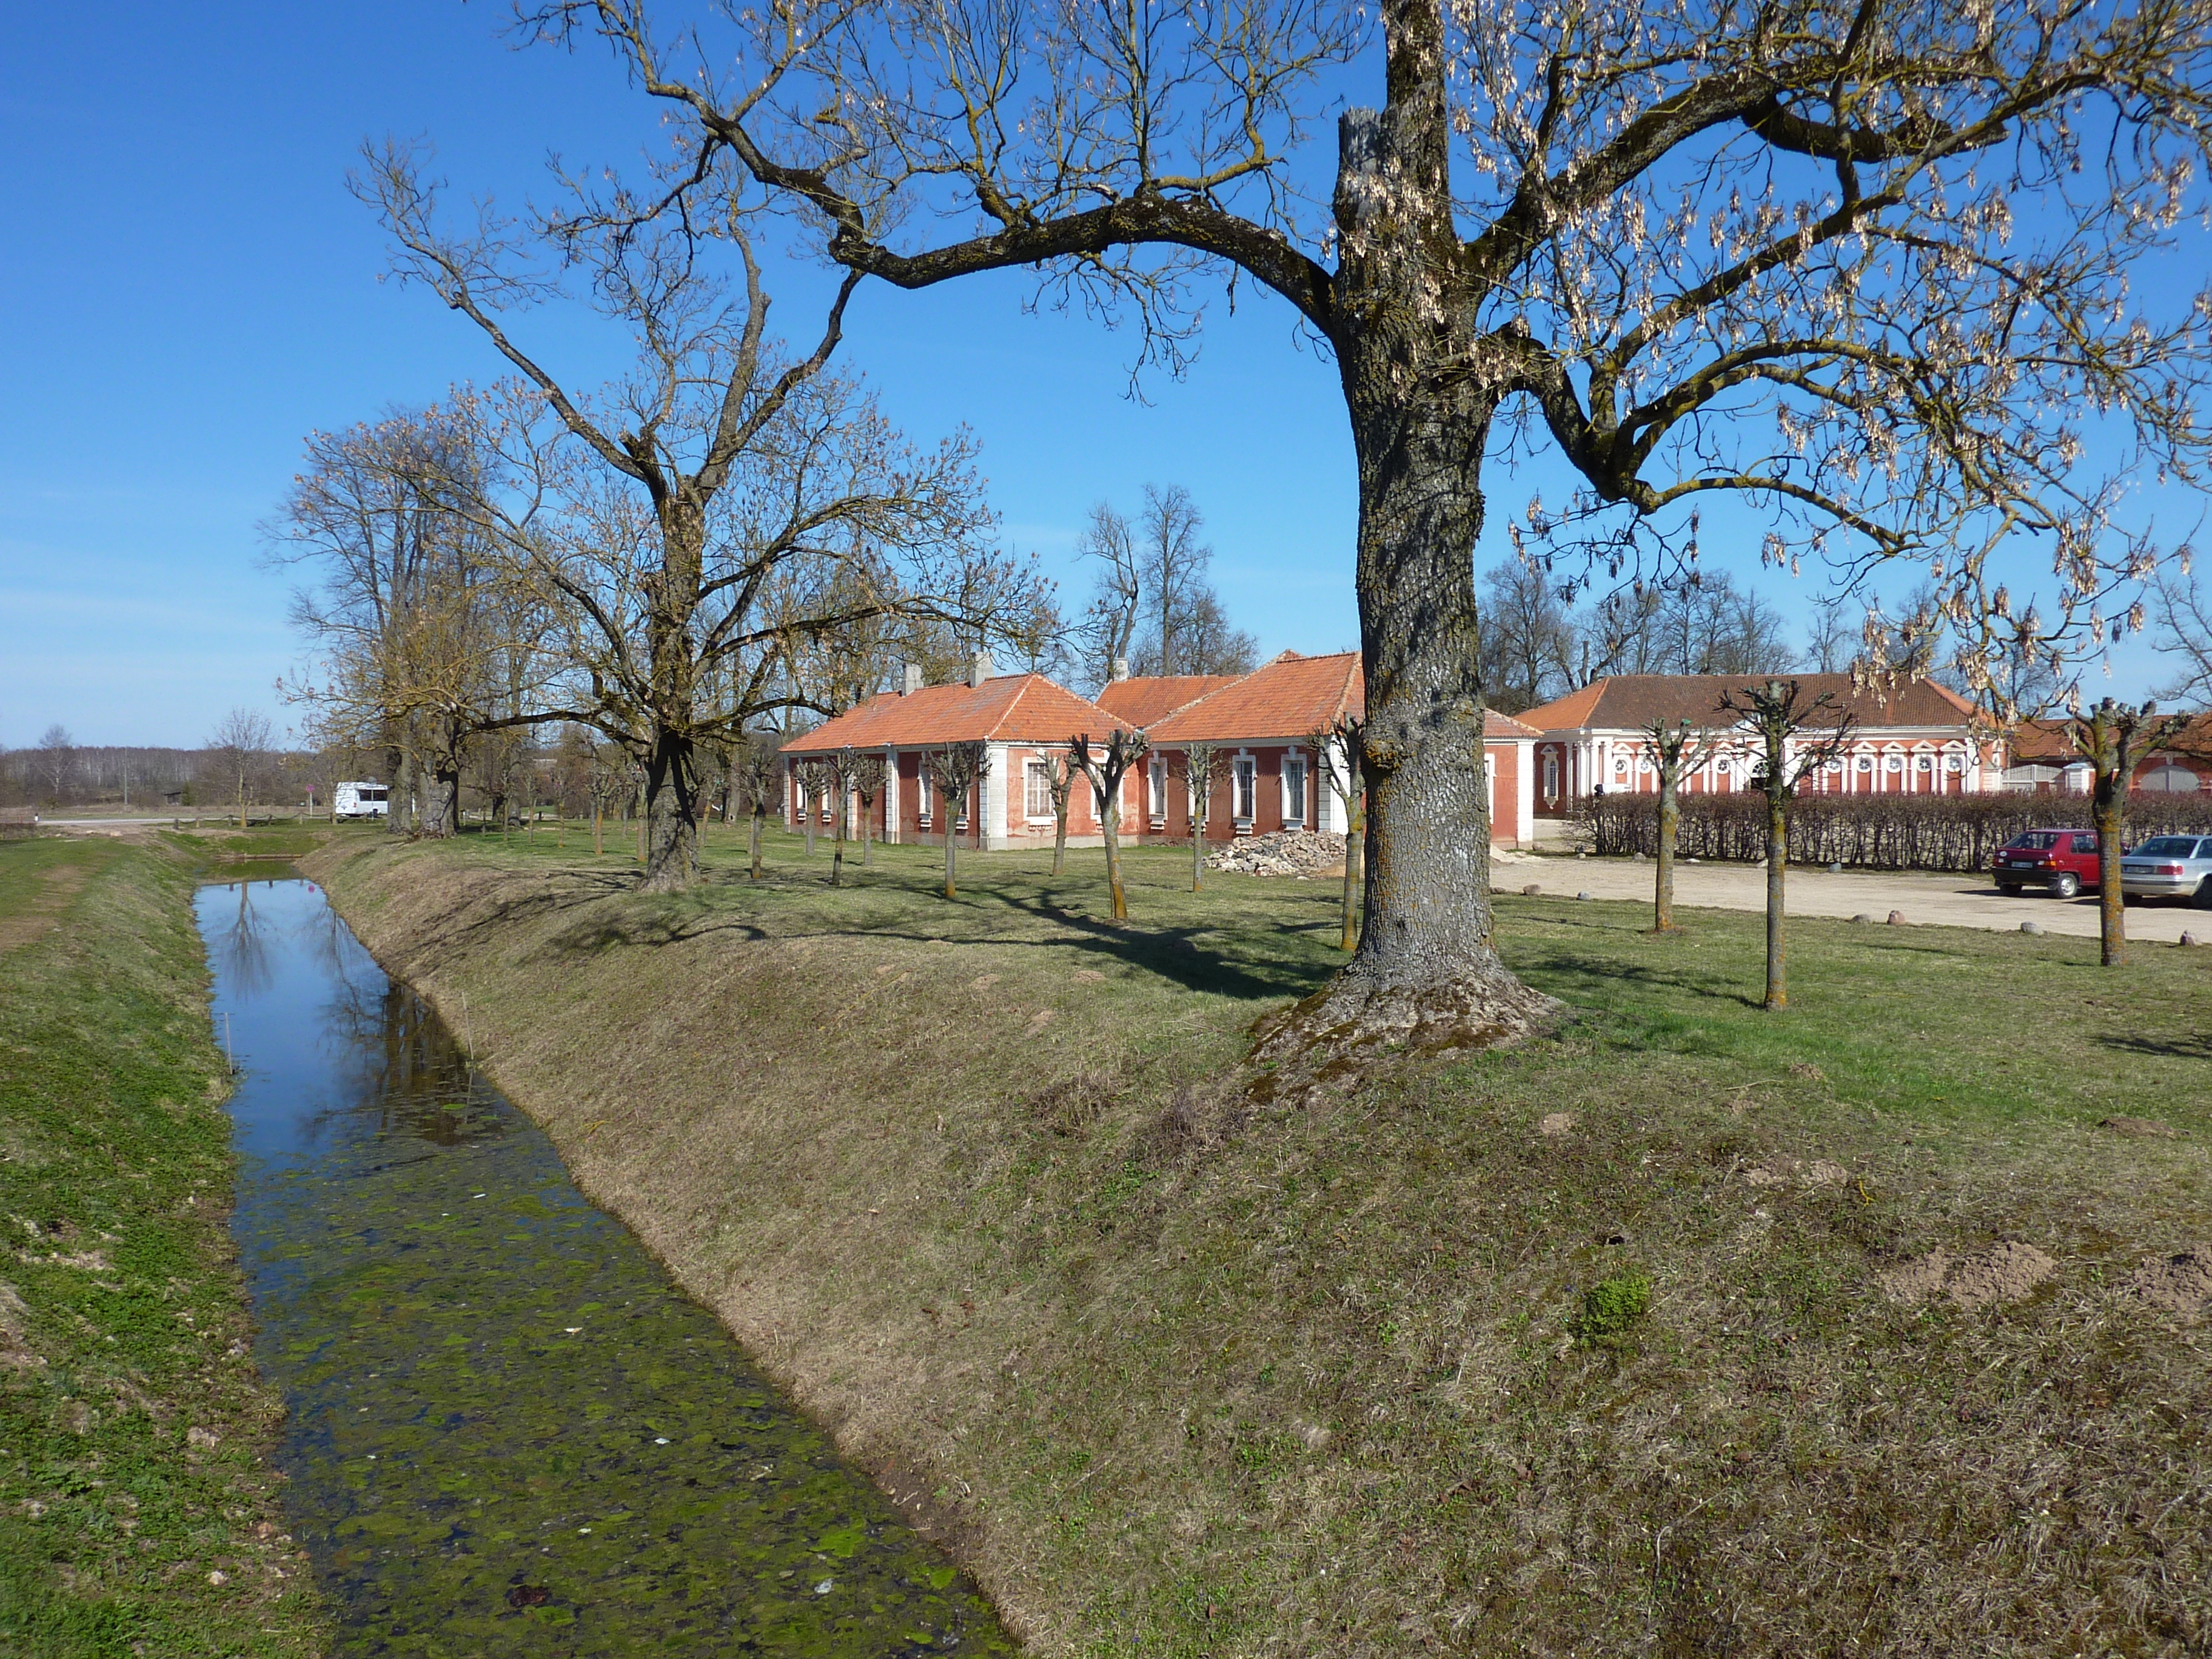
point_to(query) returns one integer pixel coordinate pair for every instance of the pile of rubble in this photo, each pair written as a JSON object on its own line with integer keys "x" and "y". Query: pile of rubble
{"x": 1285, "y": 853}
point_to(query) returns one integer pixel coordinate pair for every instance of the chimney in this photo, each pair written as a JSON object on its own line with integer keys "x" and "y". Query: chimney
{"x": 979, "y": 668}
{"x": 1121, "y": 668}
{"x": 913, "y": 679}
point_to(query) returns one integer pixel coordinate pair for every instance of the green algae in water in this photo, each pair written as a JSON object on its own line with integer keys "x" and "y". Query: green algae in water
{"x": 508, "y": 1431}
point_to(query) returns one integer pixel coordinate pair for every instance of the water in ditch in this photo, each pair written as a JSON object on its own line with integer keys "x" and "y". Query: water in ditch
{"x": 508, "y": 1431}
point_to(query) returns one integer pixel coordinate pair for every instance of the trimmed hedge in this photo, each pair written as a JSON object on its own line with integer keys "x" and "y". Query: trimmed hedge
{"x": 1873, "y": 832}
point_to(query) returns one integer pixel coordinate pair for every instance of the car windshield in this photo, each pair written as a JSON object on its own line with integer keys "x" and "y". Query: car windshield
{"x": 2169, "y": 847}
{"x": 2035, "y": 840}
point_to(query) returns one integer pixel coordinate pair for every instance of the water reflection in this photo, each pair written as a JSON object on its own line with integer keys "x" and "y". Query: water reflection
{"x": 507, "y": 1431}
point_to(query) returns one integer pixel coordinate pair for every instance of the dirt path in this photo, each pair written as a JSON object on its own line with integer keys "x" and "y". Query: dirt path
{"x": 1941, "y": 900}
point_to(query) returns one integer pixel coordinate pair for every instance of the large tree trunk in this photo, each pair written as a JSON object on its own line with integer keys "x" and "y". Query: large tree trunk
{"x": 672, "y": 814}
{"x": 441, "y": 802}
{"x": 1420, "y": 393}
{"x": 1670, "y": 825}
{"x": 1424, "y": 972}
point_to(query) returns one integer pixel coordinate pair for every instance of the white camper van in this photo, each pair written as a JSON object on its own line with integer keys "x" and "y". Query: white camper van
{"x": 360, "y": 800}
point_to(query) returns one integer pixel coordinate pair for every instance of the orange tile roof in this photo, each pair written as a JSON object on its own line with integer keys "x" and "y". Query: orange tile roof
{"x": 1631, "y": 701}
{"x": 1145, "y": 698}
{"x": 2049, "y": 740}
{"x": 1288, "y": 697}
{"x": 1010, "y": 708}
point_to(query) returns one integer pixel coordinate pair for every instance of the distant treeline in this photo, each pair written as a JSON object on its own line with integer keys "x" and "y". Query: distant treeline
{"x": 1871, "y": 832}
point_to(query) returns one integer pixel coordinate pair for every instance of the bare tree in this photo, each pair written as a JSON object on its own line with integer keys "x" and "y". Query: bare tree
{"x": 1193, "y": 634}
{"x": 1526, "y": 636}
{"x": 2184, "y": 614}
{"x": 1673, "y": 751}
{"x": 754, "y": 772}
{"x": 2112, "y": 737}
{"x": 56, "y": 758}
{"x": 1204, "y": 765}
{"x": 1829, "y": 644}
{"x": 1866, "y": 268}
{"x": 1336, "y": 752}
{"x": 867, "y": 772}
{"x": 1107, "y": 631}
{"x": 421, "y": 650}
{"x": 694, "y": 525}
{"x": 811, "y": 776}
{"x": 238, "y": 750}
{"x": 958, "y": 770}
{"x": 1104, "y": 768}
{"x": 1781, "y": 714}
{"x": 1059, "y": 777}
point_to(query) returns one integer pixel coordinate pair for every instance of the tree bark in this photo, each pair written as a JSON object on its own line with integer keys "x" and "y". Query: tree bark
{"x": 599, "y": 829}
{"x": 439, "y": 817}
{"x": 1109, "y": 824}
{"x": 1670, "y": 825}
{"x": 1197, "y": 857}
{"x": 951, "y": 843}
{"x": 672, "y": 813}
{"x": 760, "y": 818}
{"x": 837, "y": 841}
{"x": 1059, "y": 836}
{"x": 2108, "y": 816}
{"x": 1354, "y": 863}
{"x": 1777, "y": 864}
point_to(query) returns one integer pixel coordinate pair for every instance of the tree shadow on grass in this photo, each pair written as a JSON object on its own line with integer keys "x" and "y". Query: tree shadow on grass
{"x": 1557, "y": 972}
{"x": 2175, "y": 1048}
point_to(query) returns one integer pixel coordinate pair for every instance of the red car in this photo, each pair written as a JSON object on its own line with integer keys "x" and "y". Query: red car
{"x": 2061, "y": 861}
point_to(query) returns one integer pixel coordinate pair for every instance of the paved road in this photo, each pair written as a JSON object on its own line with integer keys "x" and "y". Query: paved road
{"x": 1947, "y": 901}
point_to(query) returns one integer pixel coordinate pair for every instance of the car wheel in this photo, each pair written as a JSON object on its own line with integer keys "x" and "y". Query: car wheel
{"x": 2009, "y": 889}
{"x": 2065, "y": 886}
{"x": 2202, "y": 900}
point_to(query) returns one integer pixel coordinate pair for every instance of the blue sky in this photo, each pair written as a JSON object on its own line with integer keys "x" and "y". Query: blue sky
{"x": 189, "y": 290}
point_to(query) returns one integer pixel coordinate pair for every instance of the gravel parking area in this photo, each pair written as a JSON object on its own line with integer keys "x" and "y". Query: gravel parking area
{"x": 1941, "y": 900}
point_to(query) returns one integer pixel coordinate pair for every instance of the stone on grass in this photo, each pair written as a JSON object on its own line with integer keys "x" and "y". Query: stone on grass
{"x": 1531, "y": 889}
{"x": 1897, "y": 918}
{"x": 1284, "y": 852}
{"x": 2031, "y": 928}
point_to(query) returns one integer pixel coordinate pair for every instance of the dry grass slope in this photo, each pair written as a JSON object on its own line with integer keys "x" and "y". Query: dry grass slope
{"x": 1364, "y": 1372}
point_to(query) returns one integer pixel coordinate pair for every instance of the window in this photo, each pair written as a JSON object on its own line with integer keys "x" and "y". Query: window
{"x": 920, "y": 795}
{"x": 1157, "y": 773}
{"x": 2167, "y": 779}
{"x": 1866, "y": 764}
{"x": 1551, "y": 776}
{"x": 1037, "y": 790}
{"x": 1246, "y": 771}
{"x": 2167, "y": 846}
{"x": 1897, "y": 763}
{"x": 1294, "y": 789}
{"x": 2085, "y": 843}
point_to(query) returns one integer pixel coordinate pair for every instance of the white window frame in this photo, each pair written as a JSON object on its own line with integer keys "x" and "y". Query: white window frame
{"x": 1156, "y": 779}
{"x": 1034, "y": 790}
{"x": 1244, "y": 788}
{"x": 1295, "y": 819}
{"x": 923, "y": 794}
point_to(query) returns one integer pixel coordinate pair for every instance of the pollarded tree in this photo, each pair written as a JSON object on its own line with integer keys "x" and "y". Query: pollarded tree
{"x": 2112, "y": 737}
{"x": 1204, "y": 766}
{"x": 1059, "y": 777}
{"x": 958, "y": 770}
{"x": 1865, "y": 264}
{"x": 753, "y": 778}
{"x": 812, "y": 778}
{"x": 867, "y": 771}
{"x": 1336, "y": 752}
{"x": 1105, "y": 767}
{"x": 1673, "y": 751}
{"x": 1798, "y": 734}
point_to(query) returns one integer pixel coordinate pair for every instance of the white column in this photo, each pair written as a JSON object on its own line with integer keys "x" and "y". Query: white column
{"x": 993, "y": 804}
{"x": 1525, "y": 829}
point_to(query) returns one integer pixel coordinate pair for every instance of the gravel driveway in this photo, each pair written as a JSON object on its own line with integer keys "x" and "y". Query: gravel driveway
{"x": 1943, "y": 901}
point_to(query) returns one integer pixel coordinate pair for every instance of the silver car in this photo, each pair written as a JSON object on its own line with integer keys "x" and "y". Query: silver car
{"x": 2169, "y": 866}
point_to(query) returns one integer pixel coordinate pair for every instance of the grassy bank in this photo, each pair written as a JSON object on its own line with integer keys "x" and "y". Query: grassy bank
{"x": 135, "y": 1514}
{"x": 1688, "y": 1329}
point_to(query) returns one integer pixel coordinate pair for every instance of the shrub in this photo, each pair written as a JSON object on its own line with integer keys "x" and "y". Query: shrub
{"x": 1873, "y": 832}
